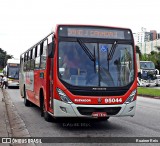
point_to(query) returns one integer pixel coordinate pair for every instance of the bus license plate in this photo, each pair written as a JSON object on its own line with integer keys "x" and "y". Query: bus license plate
{"x": 99, "y": 114}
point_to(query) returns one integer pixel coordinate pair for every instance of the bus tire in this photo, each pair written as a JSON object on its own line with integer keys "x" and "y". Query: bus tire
{"x": 44, "y": 113}
{"x": 26, "y": 101}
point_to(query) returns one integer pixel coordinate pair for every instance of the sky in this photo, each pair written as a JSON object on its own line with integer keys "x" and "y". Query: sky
{"x": 24, "y": 22}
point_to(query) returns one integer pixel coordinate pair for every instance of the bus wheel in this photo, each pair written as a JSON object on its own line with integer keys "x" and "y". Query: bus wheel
{"x": 46, "y": 115}
{"x": 26, "y": 101}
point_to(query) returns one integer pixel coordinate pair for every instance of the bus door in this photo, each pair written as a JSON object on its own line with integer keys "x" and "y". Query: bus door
{"x": 51, "y": 85}
{"x": 50, "y": 71}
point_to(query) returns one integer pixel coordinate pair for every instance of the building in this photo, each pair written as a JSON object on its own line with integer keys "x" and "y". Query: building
{"x": 147, "y": 41}
{"x": 148, "y": 46}
{"x": 153, "y": 35}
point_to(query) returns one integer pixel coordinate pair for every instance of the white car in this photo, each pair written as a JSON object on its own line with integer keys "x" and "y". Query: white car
{"x": 146, "y": 83}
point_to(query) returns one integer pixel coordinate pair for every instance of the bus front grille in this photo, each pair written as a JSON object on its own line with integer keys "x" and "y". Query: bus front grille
{"x": 89, "y": 110}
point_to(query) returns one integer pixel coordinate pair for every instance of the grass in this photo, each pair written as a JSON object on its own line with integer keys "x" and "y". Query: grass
{"x": 148, "y": 91}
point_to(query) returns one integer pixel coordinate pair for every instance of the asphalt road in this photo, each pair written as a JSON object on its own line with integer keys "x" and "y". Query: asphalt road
{"x": 146, "y": 123}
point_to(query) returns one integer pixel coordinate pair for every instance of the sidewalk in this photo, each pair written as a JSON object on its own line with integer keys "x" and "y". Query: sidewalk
{"x": 11, "y": 124}
{"x": 4, "y": 123}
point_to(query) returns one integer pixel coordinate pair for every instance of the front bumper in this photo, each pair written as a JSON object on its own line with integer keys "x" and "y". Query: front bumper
{"x": 13, "y": 84}
{"x": 62, "y": 109}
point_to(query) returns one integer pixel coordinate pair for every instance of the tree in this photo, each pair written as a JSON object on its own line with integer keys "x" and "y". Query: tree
{"x": 158, "y": 48}
{"x": 3, "y": 58}
{"x": 144, "y": 57}
{"x": 138, "y": 51}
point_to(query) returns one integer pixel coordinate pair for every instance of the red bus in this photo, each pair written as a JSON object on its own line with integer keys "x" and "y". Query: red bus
{"x": 81, "y": 71}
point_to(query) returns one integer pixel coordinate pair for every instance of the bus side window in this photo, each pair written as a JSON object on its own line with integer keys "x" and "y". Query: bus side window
{"x": 21, "y": 62}
{"x": 43, "y": 54}
{"x": 35, "y": 52}
{"x": 50, "y": 50}
{"x": 25, "y": 62}
{"x": 32, "y": 59}
{"x": 38, "y": 50}
{"x": 37, "y": 59}
{"x": 21, "y": 59}
{"x": 28, "y": 60}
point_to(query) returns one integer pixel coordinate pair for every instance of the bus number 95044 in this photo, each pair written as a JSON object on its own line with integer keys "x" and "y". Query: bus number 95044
{"x": 113, "y": 100}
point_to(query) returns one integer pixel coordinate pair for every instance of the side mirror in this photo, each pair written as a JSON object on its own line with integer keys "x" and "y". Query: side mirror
{"x": 50, "y": 50}
{"x": 157, "y": 72}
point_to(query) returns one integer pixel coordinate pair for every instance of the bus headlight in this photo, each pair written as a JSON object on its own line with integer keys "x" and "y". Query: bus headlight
{"x": 10, "y": 81}
{"x": 131, "y": 97}
{"x": 63, "y": 96}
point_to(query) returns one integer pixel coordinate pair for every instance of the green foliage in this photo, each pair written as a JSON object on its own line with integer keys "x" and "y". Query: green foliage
{"x": 144, "y": 57}
{"x": 148, "y": 91}
{"x": 138, "y": 51}
{"x": 3, "y": 58}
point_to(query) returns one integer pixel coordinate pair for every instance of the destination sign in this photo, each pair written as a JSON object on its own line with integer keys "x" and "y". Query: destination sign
{"x": 13, "y": 64}
{"x": 94, "y": 32}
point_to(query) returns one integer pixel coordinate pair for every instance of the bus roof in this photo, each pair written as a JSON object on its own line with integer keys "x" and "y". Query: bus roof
{"x": 13, "y": 61}
{"x": 87, "y": 25}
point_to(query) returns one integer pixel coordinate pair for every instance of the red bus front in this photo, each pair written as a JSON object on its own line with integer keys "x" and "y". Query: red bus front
{"x": 94, "y": 72}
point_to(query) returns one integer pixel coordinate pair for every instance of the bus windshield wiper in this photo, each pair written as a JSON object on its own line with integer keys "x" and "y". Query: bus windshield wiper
{"x": 86, "y": 50}
{"x": 112, "y": 50}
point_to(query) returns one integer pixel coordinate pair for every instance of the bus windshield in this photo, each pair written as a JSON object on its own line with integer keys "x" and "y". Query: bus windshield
{"x": 13, "y": 72}
{"x": 147, "y": 65}
{"x": 77, "y": 69}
